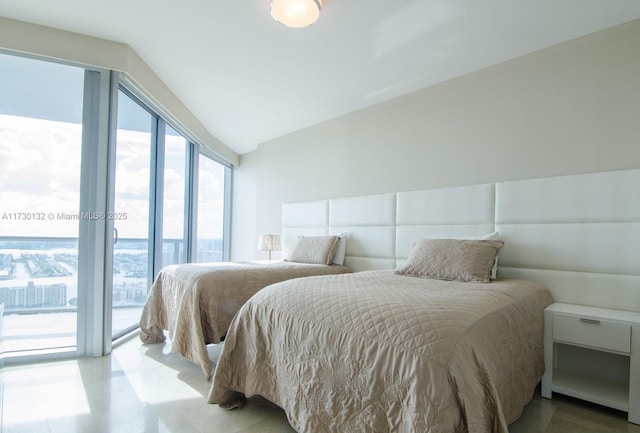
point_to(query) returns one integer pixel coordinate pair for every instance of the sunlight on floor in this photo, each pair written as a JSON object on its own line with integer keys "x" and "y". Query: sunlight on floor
{"x": 147, "y": 378}
{"x": 40, "y": 386}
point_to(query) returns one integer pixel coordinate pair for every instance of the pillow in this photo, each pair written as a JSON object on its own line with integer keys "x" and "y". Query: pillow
{"x": 495, "y": 236}
{"x": 452, "y": 259}
{"x": 314, "y": 249}
{"x": 341, "y": 249}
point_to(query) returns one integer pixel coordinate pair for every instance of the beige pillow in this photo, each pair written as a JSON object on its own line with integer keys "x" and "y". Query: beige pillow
{"x": 452, "y": 259}
{"x": 314, "y": 249}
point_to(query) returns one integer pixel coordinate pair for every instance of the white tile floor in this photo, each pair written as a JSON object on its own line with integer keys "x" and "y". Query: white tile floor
{"x": 136, "y": 389}
{"x": 142, "y": 389}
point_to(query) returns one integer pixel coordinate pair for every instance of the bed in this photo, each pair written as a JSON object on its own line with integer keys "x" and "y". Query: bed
{"x": 195, "y": 303}
{"x": 389, "y": 351}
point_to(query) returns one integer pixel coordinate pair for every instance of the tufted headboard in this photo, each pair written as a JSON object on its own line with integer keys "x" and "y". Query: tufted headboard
{"x": 579, "y": 235}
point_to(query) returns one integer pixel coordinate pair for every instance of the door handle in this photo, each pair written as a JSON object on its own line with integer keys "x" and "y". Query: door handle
{"x": 115, "y": 235}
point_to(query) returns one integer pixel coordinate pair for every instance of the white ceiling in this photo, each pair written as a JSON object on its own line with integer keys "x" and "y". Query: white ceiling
{"x": 248, "y": 79}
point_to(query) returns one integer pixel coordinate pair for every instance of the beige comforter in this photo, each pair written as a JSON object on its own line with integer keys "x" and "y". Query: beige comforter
{"x": 196, "y": 302}
{"x": 378, "y": 352}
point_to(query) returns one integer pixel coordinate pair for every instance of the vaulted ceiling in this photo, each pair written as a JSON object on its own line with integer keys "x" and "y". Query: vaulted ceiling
{"x": 249, "y": 79}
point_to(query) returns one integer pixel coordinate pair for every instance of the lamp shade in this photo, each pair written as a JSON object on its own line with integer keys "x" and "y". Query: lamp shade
{"x": 269, "y": 243}
{"x": 295, "y": 13}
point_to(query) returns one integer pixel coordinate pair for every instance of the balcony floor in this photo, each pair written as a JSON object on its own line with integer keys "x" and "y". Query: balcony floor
{"x": 42, "y": 331}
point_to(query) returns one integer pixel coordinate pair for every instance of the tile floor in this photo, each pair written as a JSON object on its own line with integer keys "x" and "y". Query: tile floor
{"x": 143, "y": 389}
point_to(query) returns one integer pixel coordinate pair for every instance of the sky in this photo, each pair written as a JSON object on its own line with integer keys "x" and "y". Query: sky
{"x": 39, "y": 173}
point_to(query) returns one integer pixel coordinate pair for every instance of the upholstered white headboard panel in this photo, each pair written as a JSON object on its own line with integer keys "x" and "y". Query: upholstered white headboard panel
{"x": 579, "y": 235}
{"x": 370, "y": 224}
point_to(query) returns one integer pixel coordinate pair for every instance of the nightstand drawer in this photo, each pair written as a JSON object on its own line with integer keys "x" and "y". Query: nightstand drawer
{"x": 593, "y": 333}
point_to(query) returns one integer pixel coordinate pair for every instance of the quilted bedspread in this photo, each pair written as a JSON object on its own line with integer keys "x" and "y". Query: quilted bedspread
{"x": 196, "y": 302}
{"x": 379, "y": 352}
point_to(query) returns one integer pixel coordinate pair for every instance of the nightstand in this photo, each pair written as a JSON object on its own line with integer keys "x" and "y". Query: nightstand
{"x": 593, "y": 354}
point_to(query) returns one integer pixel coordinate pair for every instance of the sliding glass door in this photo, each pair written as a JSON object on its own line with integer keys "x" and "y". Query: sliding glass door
{"x": 151, "y": 214}
{"x": 41, "y": 107}
{"x": 135, "y": 139}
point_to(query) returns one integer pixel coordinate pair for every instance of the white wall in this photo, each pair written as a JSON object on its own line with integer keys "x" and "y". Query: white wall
{"x": 572, "y": 108}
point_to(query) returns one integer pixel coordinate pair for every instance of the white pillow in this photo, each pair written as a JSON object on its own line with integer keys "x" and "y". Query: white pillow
{"x": 338, "y": 258}
{"x": 495, "y": 236}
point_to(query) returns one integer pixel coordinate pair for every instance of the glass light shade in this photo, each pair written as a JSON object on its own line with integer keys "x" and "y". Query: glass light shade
{"x": 295, "y": 13}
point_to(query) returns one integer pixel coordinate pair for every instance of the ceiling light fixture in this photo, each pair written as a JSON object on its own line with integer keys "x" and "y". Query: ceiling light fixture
{"x": 295, "y": 13}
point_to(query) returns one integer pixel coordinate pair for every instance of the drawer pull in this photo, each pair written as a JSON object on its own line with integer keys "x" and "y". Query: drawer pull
{"x": 595, "y": 322}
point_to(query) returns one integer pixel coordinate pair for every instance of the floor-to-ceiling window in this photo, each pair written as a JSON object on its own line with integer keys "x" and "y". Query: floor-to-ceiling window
{"x": 175, "y": 195}
{"x": 135, "y": 139}
{"x": 89, "y": 213}
{"x": 212, "y": 181}
{"x": 41, "y": 106}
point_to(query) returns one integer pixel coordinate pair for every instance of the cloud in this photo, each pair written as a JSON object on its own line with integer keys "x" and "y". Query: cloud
{"x": 40, "y": 172}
